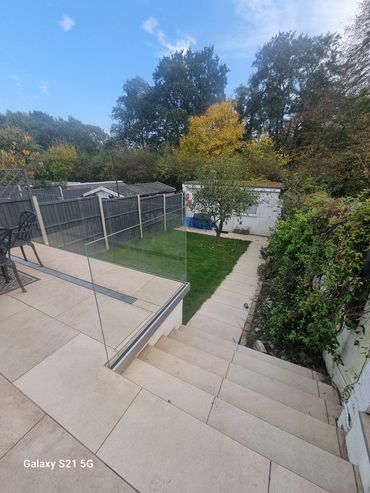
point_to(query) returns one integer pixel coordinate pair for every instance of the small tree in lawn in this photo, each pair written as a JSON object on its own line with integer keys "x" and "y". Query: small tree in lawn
{"x": 221, "y": 195}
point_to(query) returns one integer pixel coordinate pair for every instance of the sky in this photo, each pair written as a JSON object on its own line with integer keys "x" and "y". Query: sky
{"x": 71, "y": 57}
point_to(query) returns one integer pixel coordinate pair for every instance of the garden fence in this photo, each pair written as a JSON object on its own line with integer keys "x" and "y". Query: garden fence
{"x": 70, "y": 224}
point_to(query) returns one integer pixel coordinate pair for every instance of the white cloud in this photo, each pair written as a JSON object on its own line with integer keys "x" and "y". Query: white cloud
{"x": 43, "y": 86}
{"x": 150, "y": 25}
{"x": 67, "y": 23}
{"x": 305, "y": 16}
{"x": 263, "y": 19}
{"x": 16, "y": 79}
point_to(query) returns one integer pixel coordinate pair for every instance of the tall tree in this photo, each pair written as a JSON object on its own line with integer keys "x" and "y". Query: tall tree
{"x": 218, "y": 132}
{"x": 357, "y": 52}
{"x": 292, "y": 72}
{"x": 185, "y": 84}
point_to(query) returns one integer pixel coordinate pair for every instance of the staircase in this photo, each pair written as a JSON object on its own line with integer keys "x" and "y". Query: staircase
{"x": 215, "y": 417}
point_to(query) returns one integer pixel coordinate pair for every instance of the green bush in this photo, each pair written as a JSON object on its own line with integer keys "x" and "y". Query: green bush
{"x": 313, "y": 281}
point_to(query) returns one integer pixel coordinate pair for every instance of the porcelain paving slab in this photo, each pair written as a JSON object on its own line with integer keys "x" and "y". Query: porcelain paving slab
{"x": 307, "y": 384}
{"x": 48, "y": 441}
{"x": 75, "y": 388}
{"x": 28, "y": 337}
{"x": 158, "y": 290}
{"x": 121, "y": 279}
{"x": 10, "y": 306}
{"x": 190, "y": 399}
{"x": 290, "y": 396}
{"x": 230, "y": 298}
{"x": 192, "y": 374}
{"x": 119, "y": 319}
{"x": 205, "y": 336}
{"x": 223, "y": 313}
{"x": 17, "y": 415}
{"x": 157, "y": 447}
{"x": 272, "y": 360}
{"x": 202, "y": 344}
{"x": 284, "y": 481}
{"x": 314, "y": 464}
{"x": 239, "y": 287}
{"x": 194, "y": 356}
{"x": 215, "y": 327}
{"x": 53, "y": 296}
{"x": 284, "y": 417}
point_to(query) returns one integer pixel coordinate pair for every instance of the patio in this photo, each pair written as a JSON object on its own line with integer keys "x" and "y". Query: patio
{"x": 127, "y": 299}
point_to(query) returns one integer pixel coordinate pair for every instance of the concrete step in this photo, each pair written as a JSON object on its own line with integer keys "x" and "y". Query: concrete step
{"x": 203, "y": 379}
{"x": 202, "y": 344}
{"x": 272, "y": 360}
{"x": 194, "y": 356}
{"x": 208, "y": 337}
{"x": 177, "y": 392}
{"x": 278, "y": 391}
{"x": 157, "y": 447}
{"x": 312, "y": 463}
{"x": 303, "y": 426}
{"x": 216, "y": 328}
{"x": 284, "y": 481}
{"x": 307, "y": 384}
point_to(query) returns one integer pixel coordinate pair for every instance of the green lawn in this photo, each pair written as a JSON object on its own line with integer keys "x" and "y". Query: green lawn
{"x": 208, "y": 261}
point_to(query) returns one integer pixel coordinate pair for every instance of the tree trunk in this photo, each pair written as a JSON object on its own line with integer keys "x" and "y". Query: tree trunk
{"x": 219, "y": 229}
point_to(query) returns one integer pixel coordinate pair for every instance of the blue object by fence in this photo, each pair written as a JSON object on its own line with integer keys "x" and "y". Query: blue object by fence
{"x": 202, "y": 222}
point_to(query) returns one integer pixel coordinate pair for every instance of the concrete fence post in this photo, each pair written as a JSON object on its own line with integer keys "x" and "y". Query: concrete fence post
{"x": 139, "y": 213}
{"x": 37, "y": 210}
{"x": 102, "y": 217}
{"x": 164, "y": 213}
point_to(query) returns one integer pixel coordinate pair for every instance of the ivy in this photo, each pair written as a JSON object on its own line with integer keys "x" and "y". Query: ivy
{"x": 314, "y": 284}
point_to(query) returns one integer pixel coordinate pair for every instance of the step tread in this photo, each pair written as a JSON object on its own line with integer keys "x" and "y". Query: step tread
{"x": 314, "y": 464}
{"x": 215, "y": 327}
{"x": 284, "y": 481}
{"x": 275, "y": 361}
{"x": 278, "y": 391}
{"x": 181, "y": 394}
{"x": 203, "y": 379}
{"x": 284, "y": 417}
{"x": 307, "y": 384}
{"x": 194, "y": 356}
{"x": 157, "y": 447}
{"x": 208, "y": 337}
{"x": 202, "y": 344}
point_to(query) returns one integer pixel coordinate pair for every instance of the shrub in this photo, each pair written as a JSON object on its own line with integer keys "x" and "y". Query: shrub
{"x": 314, "y": 282}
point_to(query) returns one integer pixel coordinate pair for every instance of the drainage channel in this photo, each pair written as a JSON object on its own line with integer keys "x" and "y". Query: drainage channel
{"x": 79, "y": 282}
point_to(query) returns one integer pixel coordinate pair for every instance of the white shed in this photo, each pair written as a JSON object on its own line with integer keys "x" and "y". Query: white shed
{"x": 259, "y": 219}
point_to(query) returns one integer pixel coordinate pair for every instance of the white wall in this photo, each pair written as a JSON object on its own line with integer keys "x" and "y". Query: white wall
{"x": 268, "y": 211}
{"x": 353, "y": 377}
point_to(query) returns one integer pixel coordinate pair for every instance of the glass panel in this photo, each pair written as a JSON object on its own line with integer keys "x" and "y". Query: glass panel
{"x": 135, "y": 272}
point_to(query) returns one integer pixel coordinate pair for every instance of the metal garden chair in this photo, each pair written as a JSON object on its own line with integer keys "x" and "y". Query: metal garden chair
{"x": 22, "y": 234}
{"x": 5, "y": 260}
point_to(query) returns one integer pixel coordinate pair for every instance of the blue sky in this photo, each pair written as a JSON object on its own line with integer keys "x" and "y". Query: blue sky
{"x": 72, "y": 57}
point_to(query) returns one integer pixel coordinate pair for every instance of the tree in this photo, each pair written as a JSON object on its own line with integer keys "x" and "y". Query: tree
{"x": 134, "y": 114}
{"x": 221, "y": 195}
{"x": 357, "y": 65}
{"x": 292, "y": 73}
{"x": 260, "y": 160}
{"x": 185, "y": 84}
{"x": 18, "y": 149}
{"x": 218, "y": 132}
{"x": 131, "y": 165}
{"x": 59, "y": 161}
{"x": 47, "y": 130}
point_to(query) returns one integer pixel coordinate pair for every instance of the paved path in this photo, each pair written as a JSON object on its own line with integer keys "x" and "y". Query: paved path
{"x": 224, "y": 311}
